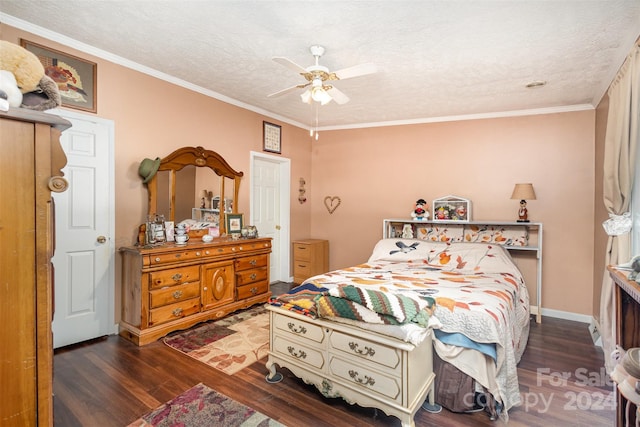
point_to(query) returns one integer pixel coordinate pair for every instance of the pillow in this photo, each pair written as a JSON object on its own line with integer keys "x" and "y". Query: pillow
{"x": 403, "y": 249}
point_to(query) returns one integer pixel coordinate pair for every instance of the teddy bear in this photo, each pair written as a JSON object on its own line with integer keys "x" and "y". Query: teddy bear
{"x": 39, "y": 91}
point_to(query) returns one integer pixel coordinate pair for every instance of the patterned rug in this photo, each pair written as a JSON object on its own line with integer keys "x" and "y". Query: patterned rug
{"x": 201, "y": 406}
{"x": 228, "y": 344}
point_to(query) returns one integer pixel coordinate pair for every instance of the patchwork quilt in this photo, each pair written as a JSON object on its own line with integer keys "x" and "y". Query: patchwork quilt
{"x": 473, "y": 289}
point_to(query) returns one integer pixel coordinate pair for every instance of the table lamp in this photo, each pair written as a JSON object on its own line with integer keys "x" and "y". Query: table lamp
{"x": 523, "y": 192}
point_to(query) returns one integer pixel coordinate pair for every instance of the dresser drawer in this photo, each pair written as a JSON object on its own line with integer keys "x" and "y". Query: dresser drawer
{"x": 175, "y": 276}
{"x": 299, "y": 352}
{"x": 173, "y": 294}
{"x": 249, "y": 262}
{"x": 253, "y": 289}
{"x": 302, "y": 251}
{"x": 171, "y": 312}
{"x": 251, "y": 276}
{"x": 298, "y": 328}
{"x": 302, "y": 269}
{"x": 365, "y": 349}
{"x": 369, "y": 379}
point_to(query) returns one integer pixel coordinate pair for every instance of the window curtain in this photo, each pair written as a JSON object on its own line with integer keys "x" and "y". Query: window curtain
{"x": 621, "y": 140}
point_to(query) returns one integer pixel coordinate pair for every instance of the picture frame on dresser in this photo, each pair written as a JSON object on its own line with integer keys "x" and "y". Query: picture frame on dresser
{"x": 234, "y": 223}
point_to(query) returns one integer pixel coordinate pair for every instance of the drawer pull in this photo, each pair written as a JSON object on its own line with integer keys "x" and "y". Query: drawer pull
{"x": 177, "y": 312}
{"x": 253, "y": 276}
{"x": 177, "y": 294}
{"x": 366, "y": 381}
{"x": 253, "y": 262}
{"x": 254, "y": 291}
{"x": 300, "y": 330}
{"x": 197, "y": 253}
{"x": 366, "y": 352}
{"x": 298, "y": 355}
{"x": 157, "y": 259}
{"x": 176, "y": 277}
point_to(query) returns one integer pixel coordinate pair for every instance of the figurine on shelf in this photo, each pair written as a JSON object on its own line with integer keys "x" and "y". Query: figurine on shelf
{"x": 522, "y": 212}
{"x": 407, "y": 231}
{"x": 420, "y": 210}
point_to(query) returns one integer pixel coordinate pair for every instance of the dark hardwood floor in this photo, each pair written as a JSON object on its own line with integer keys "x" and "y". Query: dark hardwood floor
{"x": 112, "y": 382}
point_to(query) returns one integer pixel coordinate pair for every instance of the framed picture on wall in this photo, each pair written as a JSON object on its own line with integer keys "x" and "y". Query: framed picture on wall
{"x": 76, "y": 78}
{"x": 272, "y": 137}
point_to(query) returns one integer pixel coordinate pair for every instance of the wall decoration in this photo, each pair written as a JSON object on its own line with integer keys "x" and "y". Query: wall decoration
{"x": 451, "y": 208}
{"x": 272, "y": 137}
{"x": 301, "y": 192}
{"x": 332, "y": 203}
{"x": 76, "y": 78}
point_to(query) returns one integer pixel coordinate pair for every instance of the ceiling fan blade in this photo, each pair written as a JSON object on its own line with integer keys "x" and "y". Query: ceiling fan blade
{"x": 290, "y": 64}
{"x": 338, "y": 95}
{"x": 356, "y": 71}
{"x": 287, "y": 90}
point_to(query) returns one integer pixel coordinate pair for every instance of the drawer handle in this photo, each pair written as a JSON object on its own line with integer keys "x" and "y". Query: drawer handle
{"x": 177, "y": 312}
{"x": 197, "y": 253}
{"x": 176, "y": 277}
{"x": 298, "y": 355}
{"x": 366, "y": 352}
{"x": 253, "y": 276}
{"x": 253, "y": 262}
{"x": 177, "y": 294}
{"x": 254, "y": 291}
{"x": 366, "y": 381}
{"x": 157, "y": 259}
{"x": 300, "y": 330}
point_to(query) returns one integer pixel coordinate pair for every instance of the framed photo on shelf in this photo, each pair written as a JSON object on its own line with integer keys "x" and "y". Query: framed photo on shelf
{"x": 272, "y": 135}
{"x": 76, "y": 78}
{"x": 451, "y": 208}
{"x": 234, "y": 223}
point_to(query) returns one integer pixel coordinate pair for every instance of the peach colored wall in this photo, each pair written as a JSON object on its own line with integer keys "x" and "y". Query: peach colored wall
{"x": 377, "y": 172}
{"x": 380, "y": 172}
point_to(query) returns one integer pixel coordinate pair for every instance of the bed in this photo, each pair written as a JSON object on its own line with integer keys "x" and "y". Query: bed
{"x": 469, "y": 299}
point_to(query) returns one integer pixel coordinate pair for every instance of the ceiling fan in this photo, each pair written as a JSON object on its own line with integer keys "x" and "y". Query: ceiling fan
{"x": 318, "y": 76}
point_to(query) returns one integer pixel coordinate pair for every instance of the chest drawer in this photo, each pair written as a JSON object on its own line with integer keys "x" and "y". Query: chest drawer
{"x": 176, "y": 276}
{"x": 173, "y": 294}
{"x": 252, "y": 289}
{"x": 365, "y": 349}
{"x": 250, "y": 276}
{"x": 299, "y": 352}
{"x": 302, "y": 251}
{"x": 298, "y": 328}
{"x": 249, "y": 262}
{"x": 362, "y": 376}
{"x": 175, "y": 311}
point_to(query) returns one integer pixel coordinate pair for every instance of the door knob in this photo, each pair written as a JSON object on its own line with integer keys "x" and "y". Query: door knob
{"x": 101, "y": 239}
{"x": 278, "y": 227}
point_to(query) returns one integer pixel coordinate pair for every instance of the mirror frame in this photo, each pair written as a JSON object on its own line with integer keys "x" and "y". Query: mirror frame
{"x": 199, "y": 157}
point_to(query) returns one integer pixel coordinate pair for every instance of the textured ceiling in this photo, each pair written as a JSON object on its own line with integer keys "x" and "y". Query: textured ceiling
{"x": 436, "y": 60}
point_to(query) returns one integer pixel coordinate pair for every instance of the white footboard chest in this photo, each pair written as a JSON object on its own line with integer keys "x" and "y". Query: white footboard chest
{"x": 362, "y": 367}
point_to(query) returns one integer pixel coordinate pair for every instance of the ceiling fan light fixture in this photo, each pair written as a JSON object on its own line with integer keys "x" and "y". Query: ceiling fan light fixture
{"x": 306, "y": 96}
{"x": 320, "y": 95}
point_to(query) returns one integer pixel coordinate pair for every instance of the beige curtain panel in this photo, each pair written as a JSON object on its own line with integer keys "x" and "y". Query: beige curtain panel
{"x": 621, "y": 142}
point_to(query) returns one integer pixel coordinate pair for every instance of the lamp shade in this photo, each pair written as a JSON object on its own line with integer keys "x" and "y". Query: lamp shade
{"x": 523, "y": 192}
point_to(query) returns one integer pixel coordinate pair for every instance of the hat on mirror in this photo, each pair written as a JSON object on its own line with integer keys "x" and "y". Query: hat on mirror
{"x": 148, "y": 168}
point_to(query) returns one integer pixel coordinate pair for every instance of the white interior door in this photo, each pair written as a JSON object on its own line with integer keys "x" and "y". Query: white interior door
{"x": 270, "y": 188}
{"x": 84, "y": 252}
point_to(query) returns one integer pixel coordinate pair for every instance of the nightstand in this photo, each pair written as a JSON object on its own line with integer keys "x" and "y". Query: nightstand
{"x": 310, "y": 257}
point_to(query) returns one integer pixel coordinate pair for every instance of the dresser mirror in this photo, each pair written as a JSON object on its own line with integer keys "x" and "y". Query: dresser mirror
{"x": 194, "y": 184}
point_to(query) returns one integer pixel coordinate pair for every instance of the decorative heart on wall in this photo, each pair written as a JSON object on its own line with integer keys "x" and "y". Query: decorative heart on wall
{"x": 332, "y": 203}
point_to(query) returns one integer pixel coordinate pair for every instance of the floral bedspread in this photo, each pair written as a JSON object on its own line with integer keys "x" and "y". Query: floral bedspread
{"x": 478, "y": 291}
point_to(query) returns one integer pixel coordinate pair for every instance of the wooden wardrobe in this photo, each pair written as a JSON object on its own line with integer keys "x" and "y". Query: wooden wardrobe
{"x": 31, "y": 160}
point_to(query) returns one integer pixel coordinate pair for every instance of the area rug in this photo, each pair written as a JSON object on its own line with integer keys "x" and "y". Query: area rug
{"x": 201, "y": 406}
{"x": 228, "y": 344}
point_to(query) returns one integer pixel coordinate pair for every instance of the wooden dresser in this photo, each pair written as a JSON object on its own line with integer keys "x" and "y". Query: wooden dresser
{"x": 171, "y": 287}
{"x": 310, "y": 257}
{"x": 30, "y": 169}
{"x": 627, "y": 309}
